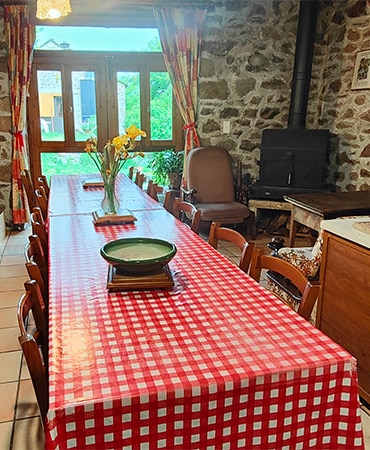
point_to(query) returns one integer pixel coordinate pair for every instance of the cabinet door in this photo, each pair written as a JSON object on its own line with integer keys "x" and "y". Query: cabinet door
{"x": 344, "y": 304}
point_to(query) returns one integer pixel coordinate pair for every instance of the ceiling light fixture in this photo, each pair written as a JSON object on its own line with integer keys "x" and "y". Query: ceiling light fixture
{"x": 52, "y": 9}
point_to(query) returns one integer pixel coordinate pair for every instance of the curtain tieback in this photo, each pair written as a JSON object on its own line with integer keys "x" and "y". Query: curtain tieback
{"x": 189, "y": 126}
{"x": 18, "y": 136}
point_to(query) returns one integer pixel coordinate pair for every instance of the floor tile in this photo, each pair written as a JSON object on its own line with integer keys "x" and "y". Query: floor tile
{"x": 8, "y": 393}
{"x": 366, "y": 427}
{"x": 14, "y": 249}
{"x": 25, "y": 375}
{"x": 12, "y": 283}
{"x": 9, "y": 340}
{"x": 28, "y": 434}
{"x": 10, "y": 298}
{"x": 11, "y": 260}
{"x": 20, "y": 236}
{"x": 18, "y": 270}
{"x": 27, "y": 403}
{"x": 5, "y": 435}
{"x": 11, "y": 361}
{"x": 8, "y": 317}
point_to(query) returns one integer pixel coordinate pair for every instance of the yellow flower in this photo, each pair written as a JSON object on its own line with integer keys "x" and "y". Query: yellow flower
{"x": 133, "y": 132}
{"x": 115, "y": 153}
{"x": 90, "y": 145}
{"x": 121, "y": 141}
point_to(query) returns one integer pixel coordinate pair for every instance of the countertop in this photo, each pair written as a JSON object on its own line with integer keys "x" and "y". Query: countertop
{"x": 345, "y": 228}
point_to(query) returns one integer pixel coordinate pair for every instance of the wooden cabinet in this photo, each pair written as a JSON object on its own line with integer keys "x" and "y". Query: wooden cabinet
{"x": 344, "y": 302}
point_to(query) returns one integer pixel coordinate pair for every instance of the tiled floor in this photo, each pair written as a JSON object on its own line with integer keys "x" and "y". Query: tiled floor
{"x": 20, "y": 426}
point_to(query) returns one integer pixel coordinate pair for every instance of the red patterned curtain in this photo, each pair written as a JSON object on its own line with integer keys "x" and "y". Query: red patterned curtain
{"x": 20, "y": 36}
{"x": 180, "y": 31}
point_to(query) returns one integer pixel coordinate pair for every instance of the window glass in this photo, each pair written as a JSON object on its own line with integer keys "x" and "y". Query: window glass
{"x": 160, "y": 106}
{"x": 97, "y": 39}
{"x": 84, "y": 105}
{"x": 128, "y": 93}
{"x": 50, "y": 105}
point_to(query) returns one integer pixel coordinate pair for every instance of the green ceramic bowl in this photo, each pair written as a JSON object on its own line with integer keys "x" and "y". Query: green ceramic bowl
{"x": 138, "y": 255}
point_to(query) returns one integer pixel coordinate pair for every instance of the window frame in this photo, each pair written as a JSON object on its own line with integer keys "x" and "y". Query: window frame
{"x": 105, "y": 65}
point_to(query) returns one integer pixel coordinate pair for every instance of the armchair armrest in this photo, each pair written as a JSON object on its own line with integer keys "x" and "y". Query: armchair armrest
{"x": 187, "y": 194}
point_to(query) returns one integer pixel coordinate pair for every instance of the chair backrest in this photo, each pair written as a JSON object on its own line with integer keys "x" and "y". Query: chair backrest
{"x": 291, "y": 277}
{"x": 42, "y": 181}
{"x": 36, "y": 265}
{"x": 37, "y": 215}
{"x": 29, "y": 188}
{"x": 37, "y": 371}
{"x": 131, "y": 172}
{"x": 34, "y": 344}
{"x": 169, "y": 198}
{"x": 153, "y": 190}
{"x": 209, "y": 171}
{"x": 32, "y": 301}
{"x": 39, "y": 228}
{"x": 187, "y": 212}
{"x": 42, "y": 201}
{"x": 216, "y": 233}
{"x": 139, "y": 179}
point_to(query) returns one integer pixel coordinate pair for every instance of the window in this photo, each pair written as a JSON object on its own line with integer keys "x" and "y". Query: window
{"x": 78, "y": 94}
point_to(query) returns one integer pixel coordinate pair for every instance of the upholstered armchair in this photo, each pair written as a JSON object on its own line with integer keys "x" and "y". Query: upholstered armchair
{"x": 210, "y": 187}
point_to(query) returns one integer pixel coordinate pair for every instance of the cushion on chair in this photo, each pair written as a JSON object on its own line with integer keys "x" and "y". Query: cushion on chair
{"x": 224, "y": 212}
{"x": 307, "y": 259}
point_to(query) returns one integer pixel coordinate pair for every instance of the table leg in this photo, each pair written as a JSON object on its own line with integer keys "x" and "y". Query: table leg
{"x": 293, "y": 230}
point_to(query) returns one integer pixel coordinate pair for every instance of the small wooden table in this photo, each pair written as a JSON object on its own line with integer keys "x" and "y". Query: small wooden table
{"x": 311, "y": 209}
{"x": 276, "y": 205}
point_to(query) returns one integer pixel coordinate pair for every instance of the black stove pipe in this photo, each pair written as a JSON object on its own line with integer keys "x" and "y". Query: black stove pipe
{"x": 305, "y": 44}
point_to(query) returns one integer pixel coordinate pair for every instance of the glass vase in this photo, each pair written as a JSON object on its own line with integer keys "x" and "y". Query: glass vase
{"x": 110, "y": 203}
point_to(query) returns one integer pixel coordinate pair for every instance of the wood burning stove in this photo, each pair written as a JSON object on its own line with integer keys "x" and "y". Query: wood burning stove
{"x": 293, "y": 159}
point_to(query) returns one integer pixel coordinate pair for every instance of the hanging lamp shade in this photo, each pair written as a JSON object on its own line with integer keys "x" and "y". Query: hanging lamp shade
{"x": 52, "y": 9}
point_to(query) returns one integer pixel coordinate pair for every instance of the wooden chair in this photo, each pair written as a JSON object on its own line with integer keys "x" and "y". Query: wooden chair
{"x": 37, "y": 266}
{"x": 217, "y": 233}
{"x": 188, "y": 213}
{"x": 34, "y": 344}
{"x": 42, "y": 201}
{"x": 139, "y": 179}
{"x": 39, "y": 228}
{"x": 169, "y": 198}
{"x": 290, "y": 280}
{"x": 29, "y": 189}
{"x": 42, "y": 181}
{"x": 153, "y": 190}
{"x": 131, "y": 172}
{"x": 307, "y": 259}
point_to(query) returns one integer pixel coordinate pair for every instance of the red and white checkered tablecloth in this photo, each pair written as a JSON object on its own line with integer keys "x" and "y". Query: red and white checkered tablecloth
{"x": 67, "y": 195}
{"x": 216, "y": 362}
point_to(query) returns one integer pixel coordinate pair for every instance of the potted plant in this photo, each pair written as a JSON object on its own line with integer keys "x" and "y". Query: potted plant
{"x": 167, "y": 167}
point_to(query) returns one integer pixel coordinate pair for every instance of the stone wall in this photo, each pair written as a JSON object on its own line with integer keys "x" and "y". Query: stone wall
{"x": 5, "y": 125}
{"x": 246, "y": 71}
{"x": 344, "y": 30}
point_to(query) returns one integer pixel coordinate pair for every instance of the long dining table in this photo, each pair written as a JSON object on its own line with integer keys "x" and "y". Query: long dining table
{"x": 213, "y": 362}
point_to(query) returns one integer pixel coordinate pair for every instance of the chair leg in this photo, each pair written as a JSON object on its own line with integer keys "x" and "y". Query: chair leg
{"x": 250, "y": 222}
